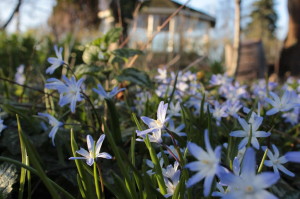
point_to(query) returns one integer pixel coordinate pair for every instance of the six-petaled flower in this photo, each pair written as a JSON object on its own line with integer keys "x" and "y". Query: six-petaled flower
{"x": 276, "y": 162}
{"x": 206, "y": 165}
{"x": 155, "y": 125}
{"x": 70, "y": 90}
{"x": 248, "y": 184}
{"x": 54, "y": 123}
{"x": 55, "y": 61}
{"x": 250, "y": 132}
{"x": 93, "y": 151}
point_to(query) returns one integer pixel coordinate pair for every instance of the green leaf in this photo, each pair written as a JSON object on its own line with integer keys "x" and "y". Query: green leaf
{"x": 98, "y": 42}
{"x": 122, "y": 54}
{"x": 112, "y": 35}
{"x": 121, "y": 192}
{"x": 8, "y": 176}
{"x": 114, "y": 122}
{"x": 86, "y": 188}
{"x": 135, "y": 76}
{"x": 92, "y": 54}
{"x": 128, "y": 180}
{"x": 126, "y": 52}
{"x": 34, "y": 159}
{"x": 84, "y": 69}
{"x": 25, "y": 160}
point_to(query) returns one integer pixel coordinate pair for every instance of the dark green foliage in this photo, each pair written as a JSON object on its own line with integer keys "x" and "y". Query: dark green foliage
{"x": 135, "y": 76}
{"x": 264, "y": 19}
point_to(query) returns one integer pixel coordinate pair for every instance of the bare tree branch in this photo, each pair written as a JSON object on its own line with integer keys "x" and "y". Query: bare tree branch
{"x": 16, "y": 10}
{"x": 159, "y": 28}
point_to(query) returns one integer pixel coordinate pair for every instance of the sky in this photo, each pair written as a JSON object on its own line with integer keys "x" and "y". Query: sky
{"x": 35, "y": 13}
{"x": 213, "y": 6}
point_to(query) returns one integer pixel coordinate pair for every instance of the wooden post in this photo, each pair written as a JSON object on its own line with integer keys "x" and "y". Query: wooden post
{"x": 150, "y": 28}
{"x": 170, "y": 47}
{"x": 236, "y": 41}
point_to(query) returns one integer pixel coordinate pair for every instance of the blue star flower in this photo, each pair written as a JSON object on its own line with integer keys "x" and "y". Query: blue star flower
{"x": 276, "y": 162}
{"x": 69, "y": 90}
{"x": 107, "y": 95}
{"x": 248, "y": 185}
{"x": 250, "y": 129}
{"x": 206, "y": 166}
{"x": 56, "y": 62}
{"x": 54, "y": 123}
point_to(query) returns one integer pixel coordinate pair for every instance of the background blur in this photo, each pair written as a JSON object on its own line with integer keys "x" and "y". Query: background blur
{"x": 203, "y": 29}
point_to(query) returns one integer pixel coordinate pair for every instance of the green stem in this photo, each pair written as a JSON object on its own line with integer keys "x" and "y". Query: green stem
{"x": 94, "y": 110}
{"x": 157, "y": 168}
{"x": 250, "y": 136}
{"x": 96, "y": 181}
{"x": 101, "y": 178}
{"x": 262, "y": 161}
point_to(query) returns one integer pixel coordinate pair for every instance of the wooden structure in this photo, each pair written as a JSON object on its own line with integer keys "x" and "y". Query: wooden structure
{"x": 187, "y": 32}
{"x": 289, "y": 62}
{"x": 252, "y": 62}
{"x": 186, "y": 35}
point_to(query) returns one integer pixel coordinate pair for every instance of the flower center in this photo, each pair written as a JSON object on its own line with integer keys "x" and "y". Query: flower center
{"x": 158, "y": 123}
{"x": 206, "y": 162}
{"x": 92, "y": 155}
{"x": 275, "y": 162}
{"x": 73, "y": 91}
{"x": 249, "y": 189}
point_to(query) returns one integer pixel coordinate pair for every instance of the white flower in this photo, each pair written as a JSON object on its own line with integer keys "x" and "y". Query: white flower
{"x": 250, "y": 129}
{"x": 162, "y": 75}
{"x": 19, "y": 76}
{"x": 206, "y": 165}
{"x": 171, "y": 177}
{"x": 276, "y": 161}
{"x": 56, "y": 62}
{"x": 107, "y": 95}
{"x": 171, "y": 171}
{"x": 155, "y": 125}
{"x": 154, "y": 137}
{"x": 2, "y": 126}
{"x": 94, "y": 151}
{"x": 54, "y": 123}
{"x": 171, "y": 186}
